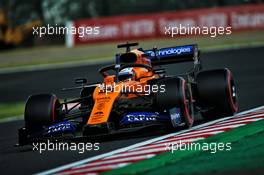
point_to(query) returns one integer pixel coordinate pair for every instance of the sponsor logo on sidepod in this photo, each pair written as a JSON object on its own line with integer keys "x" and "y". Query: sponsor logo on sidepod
{"x": 141, "y": 117}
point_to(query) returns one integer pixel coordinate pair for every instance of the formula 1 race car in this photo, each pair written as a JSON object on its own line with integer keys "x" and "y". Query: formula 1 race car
{"x": 136, "y": 94}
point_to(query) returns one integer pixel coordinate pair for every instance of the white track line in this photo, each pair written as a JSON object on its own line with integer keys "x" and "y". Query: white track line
{"x": 244, "y": 118}
{"x": 162, "y": 144}
{"x": 103, "y": 163}
{"x": 78, "y": 163}
{"x": 225, "y": 125}
{"x": 149, "y": 151}
{"x": 202, "y": 133}
{"x": 213, "y": 129}
{"x": 190, "y": 136}
{"x": 106, "y": 161}
{"x": 11, "y": 119}
{"x": 84, "y": 171}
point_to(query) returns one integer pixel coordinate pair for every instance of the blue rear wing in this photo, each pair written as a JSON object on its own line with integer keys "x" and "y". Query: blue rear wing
{"x": 171, "y": 55}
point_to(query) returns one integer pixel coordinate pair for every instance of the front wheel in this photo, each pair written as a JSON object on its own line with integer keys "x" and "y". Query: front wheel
{"x": 177, "y": 95}
{"x": 41, "y": 110}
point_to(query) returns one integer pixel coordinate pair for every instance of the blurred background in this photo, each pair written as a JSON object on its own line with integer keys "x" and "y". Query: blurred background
{"x": 17, "y": 17}
{"x": 31, "y": 64}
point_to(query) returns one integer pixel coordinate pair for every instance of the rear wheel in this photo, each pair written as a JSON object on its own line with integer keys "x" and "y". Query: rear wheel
{"x": 177, "y": 94}
{"x": 217, "y": 93}
{"x": 41, "y": 110}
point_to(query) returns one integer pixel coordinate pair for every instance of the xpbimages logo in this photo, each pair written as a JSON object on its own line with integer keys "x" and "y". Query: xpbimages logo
{"x": 65, "y": 146}
{"x": 131, "y": 88}
{"x": 212, "y": 31}
{"x": 81, "y": 31}
{"x": 212, "y": 147}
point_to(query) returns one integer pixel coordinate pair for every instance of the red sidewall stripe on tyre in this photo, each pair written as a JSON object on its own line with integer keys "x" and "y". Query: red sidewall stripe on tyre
{"x": 232, "y": 103}
{"x": 190, "y": 118}
{"x": 53, "y": 109}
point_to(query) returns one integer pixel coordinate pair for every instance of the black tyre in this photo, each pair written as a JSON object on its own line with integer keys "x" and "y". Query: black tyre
{"x": 42, "y": 110}
{"x": 177, "y": 94}
{"x": 217, "y": 93}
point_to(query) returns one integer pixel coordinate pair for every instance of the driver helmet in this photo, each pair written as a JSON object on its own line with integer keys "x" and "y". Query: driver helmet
{"x": 126, "y": 74}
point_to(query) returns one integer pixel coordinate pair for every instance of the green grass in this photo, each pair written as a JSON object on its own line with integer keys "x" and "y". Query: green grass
{"x": 246, "y": 155}
{"x": 11, "y": 109}
{"x": 106, "y": 51}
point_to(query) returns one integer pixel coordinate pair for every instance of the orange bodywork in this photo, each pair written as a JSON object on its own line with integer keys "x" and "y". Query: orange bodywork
{"x": 102, "y": 106}
{"x": 104, "y": 101}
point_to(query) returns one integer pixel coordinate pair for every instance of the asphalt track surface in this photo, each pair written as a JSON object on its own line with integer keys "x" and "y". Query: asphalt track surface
{"x": 247, "y": 66}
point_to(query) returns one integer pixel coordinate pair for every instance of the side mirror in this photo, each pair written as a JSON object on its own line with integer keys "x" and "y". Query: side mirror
{"x": 81, "y": 81}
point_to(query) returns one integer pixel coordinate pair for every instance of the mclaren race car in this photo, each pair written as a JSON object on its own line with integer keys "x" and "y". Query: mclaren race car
{"x": 135, "y": 94}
